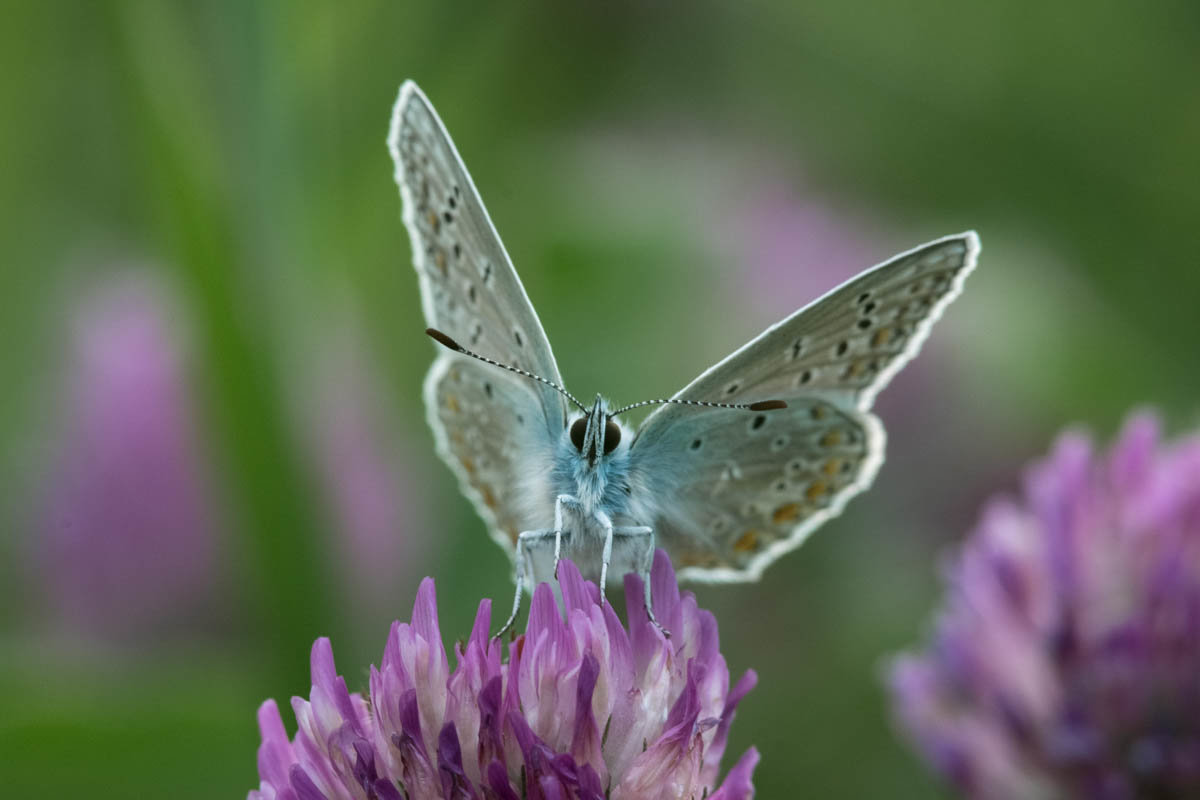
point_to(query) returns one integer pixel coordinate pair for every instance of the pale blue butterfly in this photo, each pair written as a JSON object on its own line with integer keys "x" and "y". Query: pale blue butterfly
{"x": 733, "y": 471}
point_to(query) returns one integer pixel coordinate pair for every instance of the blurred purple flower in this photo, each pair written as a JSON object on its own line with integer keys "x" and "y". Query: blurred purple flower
{"x": 1066, "y": 662}
{"x": 128, "y": 543}
{"x": 791, "y": 248}
{"x": 373, "y": 497}
{"x": 582, "y": 709}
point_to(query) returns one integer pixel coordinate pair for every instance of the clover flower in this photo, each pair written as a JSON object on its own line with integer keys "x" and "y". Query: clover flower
{"x": 583, "y": 708}
{"x": 1066, "y": 662}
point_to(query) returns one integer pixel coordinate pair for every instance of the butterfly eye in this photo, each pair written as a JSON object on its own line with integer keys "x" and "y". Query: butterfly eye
{"x": 578, "y": 429}
{"x": 612, "y": 436}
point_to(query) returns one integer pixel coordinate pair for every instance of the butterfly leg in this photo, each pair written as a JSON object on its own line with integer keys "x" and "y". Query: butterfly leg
{"x": 524, "y": 542}
{"x": 640, "y": 540}
{"x": 575, "y": 507}
{"x": 606, "y": 557}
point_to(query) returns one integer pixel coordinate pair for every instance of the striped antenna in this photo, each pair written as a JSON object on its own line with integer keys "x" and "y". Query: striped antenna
{"x": 762, "y": 405}
{"x": 450, "y": 344}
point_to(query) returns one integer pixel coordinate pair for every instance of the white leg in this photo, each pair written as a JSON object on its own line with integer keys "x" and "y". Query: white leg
{"x": 643, "y": 538}
{"x": 523, "y": 543}
{"x": 606, "y": 557}
{"x": 559, "y": 502}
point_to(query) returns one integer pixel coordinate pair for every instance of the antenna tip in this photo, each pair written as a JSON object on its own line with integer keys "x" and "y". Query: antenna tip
{"x": 443, "y": 339}
{"x": 768, "y": 405}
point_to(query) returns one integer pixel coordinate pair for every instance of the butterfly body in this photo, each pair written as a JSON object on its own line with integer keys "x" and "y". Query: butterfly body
{"x": 734, "y": 470}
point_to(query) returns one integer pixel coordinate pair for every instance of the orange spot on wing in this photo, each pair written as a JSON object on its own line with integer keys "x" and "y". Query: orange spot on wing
{"x": 832, "y": 467}
{"x": 747, "y": 542}
{"x": 786, "y": 513}
{"x": 816, "y": 490}
{"x": 881, "y": 337}
{"x": 452, "y": 403}
{"x": 831, "y": 438}
{"x": 489, "y": 499}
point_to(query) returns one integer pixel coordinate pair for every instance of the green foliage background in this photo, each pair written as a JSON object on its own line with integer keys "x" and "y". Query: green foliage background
{"x": 239, "y": 149}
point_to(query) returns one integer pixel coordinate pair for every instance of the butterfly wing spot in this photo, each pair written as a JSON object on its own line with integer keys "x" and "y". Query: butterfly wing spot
{"x": 796, "y": 349}
{"x": 883, "y": 336}
{"x": 816, "y": 490}
{"x": 780, "y": 442}
{"x": 696, "y": 444}
{"x": 487, "y": 273}
{"x": 854, "y": 369}
{"x": 489, "y": 498}
{"x": 831, "y": 438}
{"x": 434, "y": 222}
{"x": 476, "y": 332}
{"x": 472, "y": 295}
{"x": 864, "y": 297}
{"x": 733, "y": 387}
{"x": 468, "y": 465}
{"x": 834, "y": 465}
{"x": 788, "y": 512}
{"x": 758, "y": 422}
{"x": 487, "y": 389}
{"x": 439, "y": 258}
{"x": 747, "y": 542}
{"x": 841, "y": 348}
{"x": 452, "y": 403}
{"x": 805, "y": 377}
{"x": 869, "y": 308}
{"x": 864, "y": 323}
{"x": 518, "y": 338}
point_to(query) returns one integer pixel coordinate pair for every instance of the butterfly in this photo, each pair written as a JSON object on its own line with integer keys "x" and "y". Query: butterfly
{"x": 734, "y": 470}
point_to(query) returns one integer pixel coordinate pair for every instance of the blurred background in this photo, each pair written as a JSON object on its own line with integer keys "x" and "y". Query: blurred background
{"x": 212, "y": 444}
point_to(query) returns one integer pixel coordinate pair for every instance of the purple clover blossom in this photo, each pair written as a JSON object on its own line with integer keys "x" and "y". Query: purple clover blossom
{"x": 583, "y": 708}
{"x": 128, "y": 542}
{"x": 1066, "y": 662}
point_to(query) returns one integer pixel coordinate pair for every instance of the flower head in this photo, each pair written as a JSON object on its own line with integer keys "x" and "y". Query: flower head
{"x": 583, "y": 708}
{"x": 1067, "y": 660}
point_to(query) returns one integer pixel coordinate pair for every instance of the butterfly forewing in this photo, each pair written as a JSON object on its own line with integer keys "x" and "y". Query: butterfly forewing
{"x": 846, "y": 345}
{"x": 469, "y": 288}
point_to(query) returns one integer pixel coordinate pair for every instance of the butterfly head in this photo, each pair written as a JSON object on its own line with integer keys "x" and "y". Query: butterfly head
{"x": 596, "y": 434}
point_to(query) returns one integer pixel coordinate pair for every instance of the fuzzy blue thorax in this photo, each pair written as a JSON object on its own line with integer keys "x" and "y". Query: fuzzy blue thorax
{"x": 592, "y": 462}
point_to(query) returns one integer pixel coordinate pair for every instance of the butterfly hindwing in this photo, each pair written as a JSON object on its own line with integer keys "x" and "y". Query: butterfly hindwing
{"x": 469, "y": 288}
{"x": 484, "y": 421}
{"x": 739, "y": 488}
